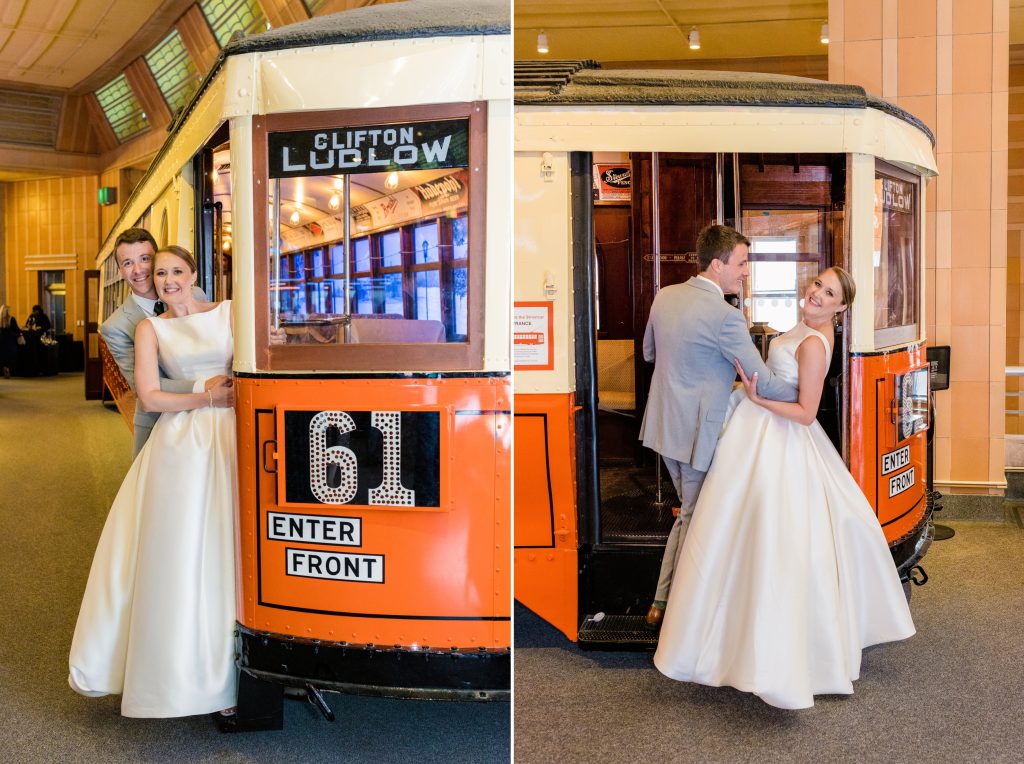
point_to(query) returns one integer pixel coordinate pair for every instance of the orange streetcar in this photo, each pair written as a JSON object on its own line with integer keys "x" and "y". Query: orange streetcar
{"x": 616, "y": 172}
{"x": 361, "y": 230}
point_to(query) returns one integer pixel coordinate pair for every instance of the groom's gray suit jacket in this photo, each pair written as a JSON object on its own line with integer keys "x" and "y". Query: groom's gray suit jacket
{"x": 693, "y": 335}
{"x": 119, "y": 333}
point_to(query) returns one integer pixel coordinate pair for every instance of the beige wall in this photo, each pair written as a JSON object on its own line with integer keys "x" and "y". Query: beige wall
{"x": 58, "y": 216}
{"x": 1015, "y": 239}
{"x": 946, "y": 61}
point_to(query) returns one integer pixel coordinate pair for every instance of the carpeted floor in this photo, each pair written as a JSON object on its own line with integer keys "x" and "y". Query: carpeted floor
{"x": 951, "y": 693}
{"x": 61, "y": 461}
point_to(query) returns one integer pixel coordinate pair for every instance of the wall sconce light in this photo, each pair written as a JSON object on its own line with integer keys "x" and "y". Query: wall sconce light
{"x": 295, "y": 217}
{"x": 824, "y": 33}
{"x": 542, "y": 42}
{"x": 391, "y": 181}
{"x": 694, "y": 39}
{"x": 334, "y": 202}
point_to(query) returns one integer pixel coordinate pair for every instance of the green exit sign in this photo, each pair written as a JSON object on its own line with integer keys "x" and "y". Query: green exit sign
{"x": 107, "y": 196}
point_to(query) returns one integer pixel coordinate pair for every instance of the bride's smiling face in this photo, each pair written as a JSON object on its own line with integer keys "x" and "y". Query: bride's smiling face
{"x": 173, "y": 278}
{"x": 824, "y": 297}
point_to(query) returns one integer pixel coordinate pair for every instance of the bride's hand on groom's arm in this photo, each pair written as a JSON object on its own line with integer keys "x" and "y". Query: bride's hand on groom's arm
{"x": 749, "y": 383}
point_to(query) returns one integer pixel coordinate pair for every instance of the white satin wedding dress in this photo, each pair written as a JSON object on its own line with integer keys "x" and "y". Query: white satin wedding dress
{"x": 784, "y": 575}
{"x": 158, "y": 615}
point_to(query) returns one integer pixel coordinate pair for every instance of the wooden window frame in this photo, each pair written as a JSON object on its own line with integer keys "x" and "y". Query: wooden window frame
{"x": 449, "y": 356}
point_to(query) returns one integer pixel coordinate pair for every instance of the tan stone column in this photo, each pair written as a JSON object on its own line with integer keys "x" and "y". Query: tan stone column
{"x": 946, "y": 61}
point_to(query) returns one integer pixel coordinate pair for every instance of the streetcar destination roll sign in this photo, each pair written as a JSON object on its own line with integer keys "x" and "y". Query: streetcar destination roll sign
{"x": 369, "y": 148}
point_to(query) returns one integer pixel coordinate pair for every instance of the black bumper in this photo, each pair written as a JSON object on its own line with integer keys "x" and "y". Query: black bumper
{"x": 474, "y": 674}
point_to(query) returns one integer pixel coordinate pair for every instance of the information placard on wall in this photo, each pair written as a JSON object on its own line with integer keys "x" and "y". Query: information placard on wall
{"x": 532, "y": 329}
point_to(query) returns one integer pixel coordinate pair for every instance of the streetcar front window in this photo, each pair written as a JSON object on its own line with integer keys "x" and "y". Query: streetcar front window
{"x": 368, "y": 230}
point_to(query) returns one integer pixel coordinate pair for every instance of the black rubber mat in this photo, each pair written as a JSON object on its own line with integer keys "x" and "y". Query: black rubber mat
{"x": 629, "y": 509}
{"x": 617, "y": 632}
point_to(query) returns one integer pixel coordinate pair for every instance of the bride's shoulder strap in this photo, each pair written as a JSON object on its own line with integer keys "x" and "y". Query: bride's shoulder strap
{"x": 824, "y": 340}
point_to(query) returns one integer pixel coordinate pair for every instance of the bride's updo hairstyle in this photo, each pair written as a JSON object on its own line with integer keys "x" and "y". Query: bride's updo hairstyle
{"x": 184, "y": 254}
{"x": 846, "y": 284}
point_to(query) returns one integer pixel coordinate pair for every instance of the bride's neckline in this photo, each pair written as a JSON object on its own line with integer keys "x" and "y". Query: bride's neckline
{"x": 214, "y": 309}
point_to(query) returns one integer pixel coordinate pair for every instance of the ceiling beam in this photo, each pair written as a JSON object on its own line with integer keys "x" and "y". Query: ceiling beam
{"x": 30, "y": 162}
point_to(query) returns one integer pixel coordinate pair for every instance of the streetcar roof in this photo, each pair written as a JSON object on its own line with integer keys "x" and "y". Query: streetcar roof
{"x": 390, "y": 21}
{"x": 585, "y": 83}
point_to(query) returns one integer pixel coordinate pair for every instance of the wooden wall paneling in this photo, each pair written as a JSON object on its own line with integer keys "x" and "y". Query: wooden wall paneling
{"x": 143, "y": 85}
{"x": 75, "y": 131}
{"x": 55, "y": 216}
{"x": 336, "y": 6}
{"x": 110, "y": 213}
{"x": 282, "y": 12}
{"x": 104, "y": 132}
{"x": 198, "y": 38}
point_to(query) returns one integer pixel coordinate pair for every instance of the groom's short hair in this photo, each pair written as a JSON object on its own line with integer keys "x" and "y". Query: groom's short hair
{"x": 716, "y": 242}
{"x": 133, "y": 236}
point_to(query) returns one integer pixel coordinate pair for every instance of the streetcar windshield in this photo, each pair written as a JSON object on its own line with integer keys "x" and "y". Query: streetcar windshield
{"x": 369, "y": 233}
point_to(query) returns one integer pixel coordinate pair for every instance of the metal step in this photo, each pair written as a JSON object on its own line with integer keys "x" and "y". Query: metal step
{"x": 616, "y": 632}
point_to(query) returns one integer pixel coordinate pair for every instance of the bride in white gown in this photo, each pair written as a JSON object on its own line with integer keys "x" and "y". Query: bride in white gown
{"x": 785, "y": 575}
{"x": 158, "y": 615}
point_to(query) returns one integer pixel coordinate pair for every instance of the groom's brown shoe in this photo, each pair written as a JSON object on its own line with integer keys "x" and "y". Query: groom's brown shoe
{"x": 654, "y": 617}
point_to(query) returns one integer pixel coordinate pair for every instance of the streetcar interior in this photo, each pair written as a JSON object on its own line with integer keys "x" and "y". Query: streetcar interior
{"x": 408, "y": 258}
{"x": 791, "y": 206}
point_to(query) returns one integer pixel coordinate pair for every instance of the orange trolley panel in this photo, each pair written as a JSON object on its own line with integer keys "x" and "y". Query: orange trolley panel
{"x": 381, "y": 574}
{"x": 545, "y": 517}
{"x": 891, "y": 472}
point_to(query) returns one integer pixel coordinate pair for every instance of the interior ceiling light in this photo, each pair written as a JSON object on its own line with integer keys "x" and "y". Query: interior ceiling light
{"x": 391, "y": 181}
{"x": 213, "y": 175}
{"x": 542, "y": 42}
{"x": 295, "y": 218}
{"x": 338, "y": 183}
{"x": 694, "y": 39}
{"x": 824, "y": 33}
{"x": 334, "y": 202}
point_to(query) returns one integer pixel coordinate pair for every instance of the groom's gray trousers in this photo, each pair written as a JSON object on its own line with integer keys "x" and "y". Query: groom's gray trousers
{"x": 687, "y": 482}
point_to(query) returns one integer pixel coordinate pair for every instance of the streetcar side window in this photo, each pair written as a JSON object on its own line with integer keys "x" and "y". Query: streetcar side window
{"x": 897, "y": 281}
{"x": 369, "y": 234}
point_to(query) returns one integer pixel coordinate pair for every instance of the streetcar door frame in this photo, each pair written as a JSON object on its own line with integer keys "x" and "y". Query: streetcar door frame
{"x": 208, "y": 217}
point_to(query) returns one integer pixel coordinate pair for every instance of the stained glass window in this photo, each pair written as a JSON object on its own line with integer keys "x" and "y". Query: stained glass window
{"x": 226, "y": 17}
{"x": 173, "y": 71}
{"x": 122, "y": 109}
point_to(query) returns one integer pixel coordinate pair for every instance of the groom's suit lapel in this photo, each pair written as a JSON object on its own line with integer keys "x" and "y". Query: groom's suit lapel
{"x": 132, "y": 311}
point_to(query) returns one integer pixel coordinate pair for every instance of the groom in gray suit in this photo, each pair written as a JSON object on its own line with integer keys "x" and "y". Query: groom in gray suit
{"x": 693, "y": 337}
{"x": 133, "y": 251}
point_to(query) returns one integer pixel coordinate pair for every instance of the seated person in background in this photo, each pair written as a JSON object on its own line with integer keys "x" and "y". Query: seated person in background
{"x": 37, "y": 320}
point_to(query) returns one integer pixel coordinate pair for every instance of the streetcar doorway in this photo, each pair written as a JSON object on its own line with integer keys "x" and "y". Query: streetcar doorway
{"x": 790, "y": 206}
